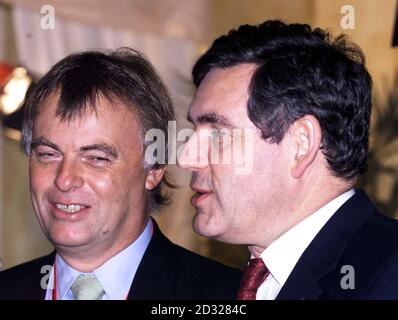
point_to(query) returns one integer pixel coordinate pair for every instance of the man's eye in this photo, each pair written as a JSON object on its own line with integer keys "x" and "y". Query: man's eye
{"x": 95, "y": 160}
{"x": 46, "y": 155}
{"x": 98, "y": 162}
{"x": 99, "y": 159}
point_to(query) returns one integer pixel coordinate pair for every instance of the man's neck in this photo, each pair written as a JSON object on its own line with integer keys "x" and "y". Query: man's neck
{"x": 305, "y": 203}
{"x": 87, "y": 259}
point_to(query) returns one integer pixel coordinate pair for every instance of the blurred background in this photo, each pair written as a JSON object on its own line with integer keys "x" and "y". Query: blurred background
{"x": 36, "y": 34}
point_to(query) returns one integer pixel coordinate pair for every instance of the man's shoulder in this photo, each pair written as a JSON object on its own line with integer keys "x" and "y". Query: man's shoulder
{"x": 27, "y": 267}
{"x": 384, "y": 223}
{"x": 376, "y": 242}
{"x": 189, "y": 261}
{"x": 380, "y": 236}
{"x": 207, "y": 274}
{"x": 188, "y": 275}
{"x": 371, "y": 256}
{"x": 361, "y": 228}
{"x": 379, "y": 233}
{"x": 204, "y": 264}
{"x": 358, "y": 245}
{"x": 21, "y": 281}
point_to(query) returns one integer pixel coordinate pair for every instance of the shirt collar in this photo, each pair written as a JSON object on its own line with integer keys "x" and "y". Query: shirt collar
{"x": 115, "y": 275}
{"x": 281, "y": 256}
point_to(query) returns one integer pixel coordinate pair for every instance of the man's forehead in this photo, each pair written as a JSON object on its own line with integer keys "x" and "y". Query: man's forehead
{"x": 99, "y": 107}
{"x": 84, "y": 105}
{"x": 237, "y": 76}
{"x": 102, "y": 121}
{"x": 223, "y": 92}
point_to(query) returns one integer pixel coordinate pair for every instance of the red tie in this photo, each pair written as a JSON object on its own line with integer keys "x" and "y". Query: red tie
{"x": 255, "y": 274}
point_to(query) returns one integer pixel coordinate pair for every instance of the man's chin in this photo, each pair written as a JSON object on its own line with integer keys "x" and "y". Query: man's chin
{"x": 204, "y": 226}
{"x": 67, "y": 242}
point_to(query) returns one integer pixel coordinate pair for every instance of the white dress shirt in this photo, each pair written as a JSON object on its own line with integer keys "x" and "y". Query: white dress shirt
{"x": 116, "y": 275}
{"x": 281, "y": 256}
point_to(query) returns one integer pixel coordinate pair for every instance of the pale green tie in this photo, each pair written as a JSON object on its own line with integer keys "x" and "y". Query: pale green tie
{"x": 87, "y": 287}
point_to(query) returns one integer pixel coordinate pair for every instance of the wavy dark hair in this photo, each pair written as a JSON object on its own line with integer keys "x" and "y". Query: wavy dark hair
{"x": 124, "y": 75}
{"x": 302, "y": 71}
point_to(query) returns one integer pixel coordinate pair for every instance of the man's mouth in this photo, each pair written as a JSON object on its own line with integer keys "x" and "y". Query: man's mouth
{"x": 200, "y": 195}
{"x": 69, "y": 211}
{"x": 70, "y": 208}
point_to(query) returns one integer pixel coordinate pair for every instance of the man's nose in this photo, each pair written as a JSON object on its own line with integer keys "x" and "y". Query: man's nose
{"x": 68, "y": 176}
{"x": 194, "y": 153}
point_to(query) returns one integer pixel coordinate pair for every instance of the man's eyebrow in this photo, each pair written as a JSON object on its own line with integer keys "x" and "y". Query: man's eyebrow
{"x": 98, "y": 146}
{"x": 43, "y": 142}
{"x": 213, "y": 118}
{"x": 102, "y": 147}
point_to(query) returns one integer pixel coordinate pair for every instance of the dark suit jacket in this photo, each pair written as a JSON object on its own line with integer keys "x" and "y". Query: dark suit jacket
{"x": 358, "y": 236}
{"x": 166, "y": 271}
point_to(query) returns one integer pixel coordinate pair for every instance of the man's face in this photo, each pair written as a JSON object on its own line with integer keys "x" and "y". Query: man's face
{"x": 87, "y": 177}
{"x": 232, "y": 207}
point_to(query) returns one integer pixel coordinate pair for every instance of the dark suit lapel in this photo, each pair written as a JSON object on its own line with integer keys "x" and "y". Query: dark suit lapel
{"x": 154, "y": 279}
{"x": 301, "y": 285}
{"x": 32, "y": 289}
{"x": 155, "y": 276}
{"x": 324, "y": 252}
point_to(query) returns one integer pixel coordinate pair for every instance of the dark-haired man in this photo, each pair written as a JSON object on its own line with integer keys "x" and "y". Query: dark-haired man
{"x": 93, "y": 190}
{"x": 307, "y": 100}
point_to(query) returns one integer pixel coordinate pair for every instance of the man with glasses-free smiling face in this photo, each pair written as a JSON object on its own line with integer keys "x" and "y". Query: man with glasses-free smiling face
{"x": 93, "y": 191}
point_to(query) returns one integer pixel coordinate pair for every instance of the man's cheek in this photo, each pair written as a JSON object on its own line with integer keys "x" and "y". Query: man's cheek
{"x": 101, "y": 184}
{"x": 38, "y": 180}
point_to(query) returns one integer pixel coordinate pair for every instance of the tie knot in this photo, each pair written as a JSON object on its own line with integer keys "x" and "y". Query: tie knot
{"x": 87, "y": 287}
{"x": 255, "y": 274}
{"x": 256, "y": 264}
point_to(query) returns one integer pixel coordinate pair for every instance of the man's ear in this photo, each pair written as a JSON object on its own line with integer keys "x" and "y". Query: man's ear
{"x": 307, "y": 135}
{"x": 154, "y": 177}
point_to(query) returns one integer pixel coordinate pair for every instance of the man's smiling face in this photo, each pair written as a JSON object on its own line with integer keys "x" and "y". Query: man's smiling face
{"x": 87, "y": 177}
